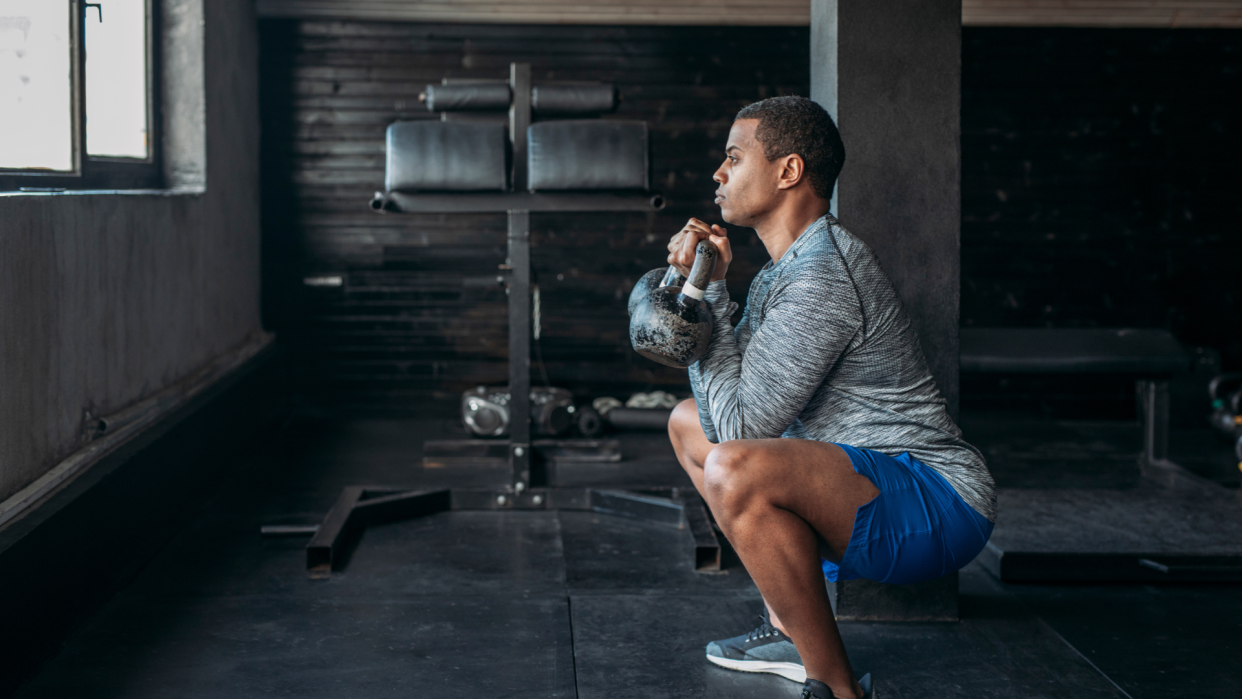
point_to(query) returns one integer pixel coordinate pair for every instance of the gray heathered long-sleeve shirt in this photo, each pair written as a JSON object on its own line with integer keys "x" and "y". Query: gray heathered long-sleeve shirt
{"x": 825, "y": 351}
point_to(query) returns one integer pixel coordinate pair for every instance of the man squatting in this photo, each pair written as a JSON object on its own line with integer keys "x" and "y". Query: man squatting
{"x": 816, "y": 435}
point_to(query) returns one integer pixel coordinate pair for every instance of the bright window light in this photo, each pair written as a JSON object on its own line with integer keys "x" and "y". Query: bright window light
{"x": 116, "y": 78}
{"x": 36, "y": 85}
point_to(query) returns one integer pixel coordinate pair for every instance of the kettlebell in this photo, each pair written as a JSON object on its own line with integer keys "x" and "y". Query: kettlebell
{"x": 651, "y": 281}
{"x": 670, "y": 323}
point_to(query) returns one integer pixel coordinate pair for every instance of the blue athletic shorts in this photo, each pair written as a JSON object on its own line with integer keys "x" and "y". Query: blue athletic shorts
{"x": 918, "y": 528}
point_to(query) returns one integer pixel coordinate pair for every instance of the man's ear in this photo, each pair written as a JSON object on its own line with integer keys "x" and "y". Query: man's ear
{"x": 793, "y": 171}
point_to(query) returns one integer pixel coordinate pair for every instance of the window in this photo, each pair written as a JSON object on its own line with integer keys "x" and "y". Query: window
{"x": 76, "y": 95}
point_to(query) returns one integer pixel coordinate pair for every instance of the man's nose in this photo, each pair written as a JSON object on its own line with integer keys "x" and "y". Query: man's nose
{"x": 719, "y": 175}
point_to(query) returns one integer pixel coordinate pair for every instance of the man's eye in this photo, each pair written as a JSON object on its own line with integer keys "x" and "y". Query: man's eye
{"x": 732, "y": 158}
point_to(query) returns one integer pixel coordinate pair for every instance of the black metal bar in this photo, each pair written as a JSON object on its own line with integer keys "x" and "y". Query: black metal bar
{"x": 487, "y": 202}
{"x": 647, "y": 508}
{"x": 395, "y": 507}
{"x": 280, "y": 530}
{"x": 639, "y": 418}
{"x": 443, "y": 453}
{"x": 479, "y": 448}
{"x": 579, "y": 450}
{"x": 519, "y": 119}
{"x": 519, "y": 286}
{"x": 530, "y": 499}
{"x": 706, "y": 545}
{"x": 519, "y": 348}
{"x": 327, "y": 548}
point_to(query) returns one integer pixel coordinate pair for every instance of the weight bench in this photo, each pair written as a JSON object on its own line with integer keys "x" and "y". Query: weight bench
{"x": 1151, "y": 355}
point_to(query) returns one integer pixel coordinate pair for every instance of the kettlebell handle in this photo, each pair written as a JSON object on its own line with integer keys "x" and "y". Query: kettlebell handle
{"x": 705, "y": 256}
{"x": 671, "y": 278}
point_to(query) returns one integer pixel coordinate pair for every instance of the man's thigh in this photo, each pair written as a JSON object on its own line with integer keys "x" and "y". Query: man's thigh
{"x": 814, "y": 480}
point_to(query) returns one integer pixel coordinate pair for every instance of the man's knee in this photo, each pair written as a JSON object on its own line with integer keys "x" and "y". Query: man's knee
{"x": 729, "y": 477}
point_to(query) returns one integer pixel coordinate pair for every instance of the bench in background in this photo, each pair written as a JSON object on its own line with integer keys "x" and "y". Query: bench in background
{"x": 1152, "y": 356}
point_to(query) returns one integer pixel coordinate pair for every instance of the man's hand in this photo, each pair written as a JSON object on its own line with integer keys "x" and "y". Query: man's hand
{"x": 681, "y": 247}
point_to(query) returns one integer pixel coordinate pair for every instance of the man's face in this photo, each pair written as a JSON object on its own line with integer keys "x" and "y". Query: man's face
{"x": 747, "y": 181}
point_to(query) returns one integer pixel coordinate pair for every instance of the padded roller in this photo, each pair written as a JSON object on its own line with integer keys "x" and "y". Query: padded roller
{"x": 445, "y": 156}
{"x": 467, "y": 97}
{"x": 572, "y": 99}
{"x": 587, "y": 154}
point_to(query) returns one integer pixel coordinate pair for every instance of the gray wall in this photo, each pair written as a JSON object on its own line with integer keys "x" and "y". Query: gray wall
{"x": 107, "y": 298}
{"x": 890, "y": 74}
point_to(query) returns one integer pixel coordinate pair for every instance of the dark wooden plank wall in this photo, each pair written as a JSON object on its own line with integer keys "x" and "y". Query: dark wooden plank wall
{"x": 1100, "y": 187}
{"x": 1100, "y": 181}
{"x": 412, "y": 326}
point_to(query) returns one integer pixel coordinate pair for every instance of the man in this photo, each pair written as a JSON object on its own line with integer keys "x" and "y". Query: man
{"x": 816, "y": 434}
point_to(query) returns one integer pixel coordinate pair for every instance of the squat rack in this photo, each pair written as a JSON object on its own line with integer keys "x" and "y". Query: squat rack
{"x": 360, "y": 506}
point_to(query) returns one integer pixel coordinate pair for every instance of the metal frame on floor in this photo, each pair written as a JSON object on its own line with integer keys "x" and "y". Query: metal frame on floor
{"x": 358, "y": 507}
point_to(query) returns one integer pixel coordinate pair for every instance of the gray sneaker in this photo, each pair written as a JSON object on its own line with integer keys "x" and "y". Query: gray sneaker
{"x": 765, "y": 649}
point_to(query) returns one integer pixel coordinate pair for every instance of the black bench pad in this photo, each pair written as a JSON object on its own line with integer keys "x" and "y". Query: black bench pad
{"x": 1141, "y": 351}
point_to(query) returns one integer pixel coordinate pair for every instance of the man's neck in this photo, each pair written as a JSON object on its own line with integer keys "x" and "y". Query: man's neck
{"x": 780, "y": 230}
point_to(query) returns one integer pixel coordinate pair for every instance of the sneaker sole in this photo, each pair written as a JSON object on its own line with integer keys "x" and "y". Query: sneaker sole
{"x": 789, "y": 671}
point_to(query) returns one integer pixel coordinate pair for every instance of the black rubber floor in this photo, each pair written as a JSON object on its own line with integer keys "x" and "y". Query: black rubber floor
{"x": 568, "y": 604}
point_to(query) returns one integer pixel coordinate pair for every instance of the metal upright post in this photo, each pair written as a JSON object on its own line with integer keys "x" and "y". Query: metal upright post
{"x": 1154, "y": 403}
{"x": 519, "y": 286}
{"x": 519, "y": 348}
{"x": 519, "y": 120}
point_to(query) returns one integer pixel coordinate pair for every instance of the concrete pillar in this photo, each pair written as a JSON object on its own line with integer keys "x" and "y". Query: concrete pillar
{"x": 889, "y": 73}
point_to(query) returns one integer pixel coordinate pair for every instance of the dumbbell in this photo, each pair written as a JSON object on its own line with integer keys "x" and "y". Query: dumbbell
{"x": 670, "y": 323}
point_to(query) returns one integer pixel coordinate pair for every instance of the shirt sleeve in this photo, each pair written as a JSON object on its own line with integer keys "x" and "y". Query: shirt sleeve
{"x": 805, "y": 327}
{"x": 717, "y": 296}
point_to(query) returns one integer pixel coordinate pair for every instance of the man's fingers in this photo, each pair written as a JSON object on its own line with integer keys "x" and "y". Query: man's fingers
{"x": 675, "y": 241}
{"x": 681, "y": 246}
{"x": 688, "y": 244}
{"x": 683, "y": 255}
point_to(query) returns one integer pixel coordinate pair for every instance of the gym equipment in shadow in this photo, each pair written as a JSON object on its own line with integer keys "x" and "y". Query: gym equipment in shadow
{"x": 485, "y": 411}
{"x": 472, "y": 162}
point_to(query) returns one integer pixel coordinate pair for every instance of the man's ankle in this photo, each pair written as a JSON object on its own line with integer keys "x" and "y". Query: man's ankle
{"x": 774, "y": 620}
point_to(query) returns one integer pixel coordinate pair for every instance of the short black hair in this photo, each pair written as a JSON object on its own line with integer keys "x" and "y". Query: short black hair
{"x": 789, "y": 125}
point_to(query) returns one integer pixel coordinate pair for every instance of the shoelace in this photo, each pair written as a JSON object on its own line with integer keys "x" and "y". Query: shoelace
{"x": 764, "y": 629}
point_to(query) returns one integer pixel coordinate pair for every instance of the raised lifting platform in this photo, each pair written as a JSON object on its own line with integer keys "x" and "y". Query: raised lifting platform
{"x": 1151, "y": 532}
{"x": 1076, "y": 503}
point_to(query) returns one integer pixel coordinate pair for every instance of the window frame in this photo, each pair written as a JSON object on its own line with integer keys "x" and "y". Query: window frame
{"x": 97, "y": 172}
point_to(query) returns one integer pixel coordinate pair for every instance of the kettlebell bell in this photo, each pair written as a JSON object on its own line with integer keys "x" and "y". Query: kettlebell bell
{"x": 671, "y": 323}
